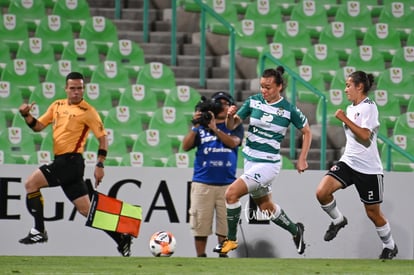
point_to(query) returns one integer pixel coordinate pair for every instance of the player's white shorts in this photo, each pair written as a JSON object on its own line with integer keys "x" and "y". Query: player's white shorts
{"x": 259, "y": 176}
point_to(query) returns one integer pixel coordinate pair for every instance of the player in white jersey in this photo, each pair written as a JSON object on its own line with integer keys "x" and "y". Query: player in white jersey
{"x": 270, "y": 116}
{"x": 360, "y": 164}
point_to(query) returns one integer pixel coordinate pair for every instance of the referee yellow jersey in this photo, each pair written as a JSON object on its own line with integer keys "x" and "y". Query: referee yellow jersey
{"x": 71, "y": 125}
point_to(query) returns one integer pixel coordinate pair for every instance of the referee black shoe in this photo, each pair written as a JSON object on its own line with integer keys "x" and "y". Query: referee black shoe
{"x": 124, "y": 246}
{"x": 298, "y": 238}
{"x": 333, "y": 230}
{"x": 34, "y": 237}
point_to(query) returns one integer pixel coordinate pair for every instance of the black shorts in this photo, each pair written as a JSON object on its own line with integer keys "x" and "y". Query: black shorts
{"x": 369, "y": 187}
{"x": 67, "y": 171}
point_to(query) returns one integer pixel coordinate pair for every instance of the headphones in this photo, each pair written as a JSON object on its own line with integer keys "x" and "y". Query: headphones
{"x": 222, "y": 95}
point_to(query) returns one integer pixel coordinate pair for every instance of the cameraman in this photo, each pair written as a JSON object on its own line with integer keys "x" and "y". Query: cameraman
{"x": 215, "y": 167}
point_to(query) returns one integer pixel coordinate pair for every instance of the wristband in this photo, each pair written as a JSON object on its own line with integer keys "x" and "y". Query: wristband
{"x": 102, "y": 152}
{"x": 25, "y": 115}
{"x": 194, "y": 129}
{"x": 100, "y": 164}
{"x": 33, "y": 123}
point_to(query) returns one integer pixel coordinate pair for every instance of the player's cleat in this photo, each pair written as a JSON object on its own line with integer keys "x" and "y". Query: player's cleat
{"x": 388, "y": 254}
{"x": 333, "y": 229}
{"x": 124, "y": 246}
{"x": 34, "y": 236}
{"x": 226, "y": 246}
{"x": 298, "y": 238}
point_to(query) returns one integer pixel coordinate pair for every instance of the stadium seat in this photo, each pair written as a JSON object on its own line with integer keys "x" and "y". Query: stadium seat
{"x": 10, "y": 99}
{"x": 266, "y": 14}
{"x": 35, "y": 51}
{"x": 294, "y": 36}
{"x": 18, "y": 121}
{"x": 100, "y": 31}
{"x": 47, "y": 142}
{"x": 241, "y": 5}
{"x": 42, "y": 157}
{"x": 383, "y": 38}
{"x": 125, "y": 121}
{"x": 323, "y": 60}
{"x": 181, "y": 160}
{"x": 405, "y": 124}
{"x": 91, "y": 157}
{"x": 368, "y": 59}
{"x": 250, "y": 39}
{"x": 138, "y": 97}
{"x": 116, "y": 147}
{"x": 398, "y": 83}
{"x": 56, "y": 31}
{"x": 312, "y": 15}
{"x": 404, "y": 58}
{"x": 128, "y": 54}
{"x": 4, "y": 121}
{"x": 398, "y": 16}
{"x": 399, "y": 163}
{"x": 99, "y": 97}
{"x": 60, "y": 69}
{"x": 340, "y": 37}
{"x": 355, "y": 14}
{"x": 240, "y": 158}
{"x": 30, "y": 10}
{"x": 330, "y": 6}
{"x": 44, "y": 94}
{"x": 184, "y": 99}
{"x": 13, "y": 31}
{"x": 189, "y": 5}
{"x": 23, "y": 74}
{"x": 336, "y": 99}
{"x": 226, "y": 10}
{"x": 138, "y": 159}
{"x": 84, "y": 53}
{"x": 279, "y": 52}
{"x": 303, "y": 94}
{"x": 373, "y": 6}
{"x": 152, "y": 145}
{"x": 4, "y": 3}
{"x": 18, "y": 144}
{"x": 410, "y": 106}
{"x": 388, "y": 108}
{"x": 170, "y": 124}
{"x": 112, "y": 76}
{"x": 338, "y": 81}
{"x": 50, "y": 3}
{"x": 75, "y": 12}
{"x": 287, "y": 163}
{"x": 410, "y": 39}
{"x": 287, "y": 6}
{"x": 5, "y": 56}
{"x": 157, "y": 78}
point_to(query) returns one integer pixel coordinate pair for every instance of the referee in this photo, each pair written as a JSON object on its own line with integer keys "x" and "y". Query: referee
{"x": 71, "y": 120}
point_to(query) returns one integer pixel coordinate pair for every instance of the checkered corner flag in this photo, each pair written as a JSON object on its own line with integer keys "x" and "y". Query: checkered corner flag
{"x": 111, "y": 214}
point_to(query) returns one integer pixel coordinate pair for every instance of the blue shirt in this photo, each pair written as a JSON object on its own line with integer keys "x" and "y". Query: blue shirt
{"x": 215, "y": 163}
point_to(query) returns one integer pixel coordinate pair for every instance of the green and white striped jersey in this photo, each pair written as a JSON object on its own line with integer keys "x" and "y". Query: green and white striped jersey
{"x": 268, "y": 126}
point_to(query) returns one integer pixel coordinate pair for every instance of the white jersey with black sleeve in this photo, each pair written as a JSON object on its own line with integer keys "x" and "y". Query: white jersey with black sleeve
{"x": 363, "y": 156}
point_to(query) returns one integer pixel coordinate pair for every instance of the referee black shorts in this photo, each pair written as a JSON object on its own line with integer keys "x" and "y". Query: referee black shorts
{"x": 67, "y": 171}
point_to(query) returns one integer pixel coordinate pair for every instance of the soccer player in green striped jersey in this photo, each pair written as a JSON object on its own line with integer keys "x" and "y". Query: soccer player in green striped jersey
{"x": 270, "y": 116}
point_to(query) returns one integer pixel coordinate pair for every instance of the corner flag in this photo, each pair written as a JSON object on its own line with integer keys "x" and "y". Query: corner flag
{"x": 111, "y": 214}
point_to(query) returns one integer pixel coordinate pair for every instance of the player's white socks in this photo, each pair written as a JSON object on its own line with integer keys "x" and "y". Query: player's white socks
{"x": 332, "y": 210}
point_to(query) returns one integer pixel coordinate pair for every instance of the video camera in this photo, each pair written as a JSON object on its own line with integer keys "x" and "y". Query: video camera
{"x": 214, "y": 105}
